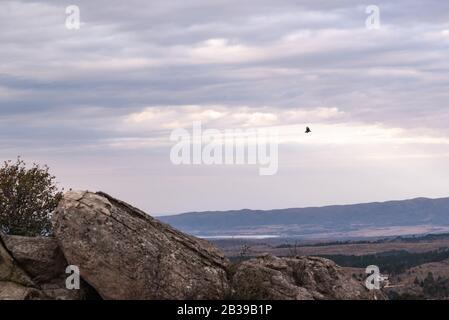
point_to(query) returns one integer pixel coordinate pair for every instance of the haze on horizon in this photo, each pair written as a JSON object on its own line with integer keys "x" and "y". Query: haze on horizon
{"x": 98, "y": 104}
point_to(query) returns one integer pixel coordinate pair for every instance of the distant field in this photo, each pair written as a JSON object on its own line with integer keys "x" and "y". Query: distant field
{"x": 286, "y": 247}
{"x": 417, "y": 267}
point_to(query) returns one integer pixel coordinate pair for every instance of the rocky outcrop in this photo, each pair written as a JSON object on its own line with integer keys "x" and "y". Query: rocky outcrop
{"x": 34, "y": 268}
{"x": 126, "y": 254}
{"x": 123, "y": 253}
{"x": 39, "y": 257}
{"x": 301, "y": 278}
{"x": 15, "y": 284}
{"x": 44, "y": 263}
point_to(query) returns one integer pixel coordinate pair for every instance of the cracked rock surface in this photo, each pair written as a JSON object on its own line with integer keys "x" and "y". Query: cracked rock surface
{"x": 301, "y": 278}
{"x": 34, "y": 268}
{"x": 126, "y": 254}
{"x": 15, "y": 284}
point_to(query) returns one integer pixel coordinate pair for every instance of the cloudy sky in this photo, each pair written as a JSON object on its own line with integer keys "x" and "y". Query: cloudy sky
{"x": 98, "y": 104}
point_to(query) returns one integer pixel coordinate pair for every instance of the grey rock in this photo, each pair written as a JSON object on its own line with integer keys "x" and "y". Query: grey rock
{"x": 302, "y": 278}
{"x": 34, "y": 268}
{"x": 40, "y": 257}
{"x": 15, "y": 284}
{"x": 125, "y": 254}
{"x": 15, "y": 291}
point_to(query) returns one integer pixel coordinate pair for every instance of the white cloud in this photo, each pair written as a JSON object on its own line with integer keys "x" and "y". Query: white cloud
{"x": 329, "y": 126}
{"x": 222, "y": 116}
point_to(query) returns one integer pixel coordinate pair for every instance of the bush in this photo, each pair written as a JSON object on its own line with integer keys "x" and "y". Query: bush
{"x": 28, "y": 196}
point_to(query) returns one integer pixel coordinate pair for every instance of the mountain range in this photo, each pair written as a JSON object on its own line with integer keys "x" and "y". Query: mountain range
{"x": 404, "y": 217}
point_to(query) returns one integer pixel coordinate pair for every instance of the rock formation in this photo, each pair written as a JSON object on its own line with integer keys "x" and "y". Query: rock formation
{"x": 126, "y": 254}
{"x": 301, "y": 278}
{"x": 34, "y": 268}
{"x": 123, "y": 253}
{"x": 15, "y": 284}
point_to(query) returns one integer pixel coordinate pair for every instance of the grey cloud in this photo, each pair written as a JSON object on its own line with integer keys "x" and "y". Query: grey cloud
{"x": 62, "y": 90}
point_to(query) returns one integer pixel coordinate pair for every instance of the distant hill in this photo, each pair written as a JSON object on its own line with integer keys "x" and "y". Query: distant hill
{"x": 415, "y": 216}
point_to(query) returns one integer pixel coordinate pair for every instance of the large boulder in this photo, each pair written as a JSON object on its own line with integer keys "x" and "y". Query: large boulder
{"x": 126, "y": 254}
{"x": 43, "y": 263}
{"x": 301, "y": 278}
{"x": 15, "y": 284}
{"x": 39, "y": 257}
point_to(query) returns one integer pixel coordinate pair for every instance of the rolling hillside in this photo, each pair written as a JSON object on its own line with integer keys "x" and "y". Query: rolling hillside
{"x": 413, "y": 216}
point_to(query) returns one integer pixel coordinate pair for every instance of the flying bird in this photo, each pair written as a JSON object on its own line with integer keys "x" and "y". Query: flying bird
{"x": 308, "y": 130}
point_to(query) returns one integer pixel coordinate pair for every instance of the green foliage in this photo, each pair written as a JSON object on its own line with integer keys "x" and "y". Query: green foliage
{"x": 245, "y": 285}
{"x": 393, "y": 295}
{"x": 244, "y": 252}
{"x": 436, "y": 289}
{"x": 431, "y": 289}
{"x": 28, "y": 196}
{"x": 392, "y": 262}
{"x": 250, "y": 286}
{"x": 400, "y": 239}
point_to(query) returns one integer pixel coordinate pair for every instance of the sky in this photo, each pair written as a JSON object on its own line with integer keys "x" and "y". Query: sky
{"x": 98, "y": 104}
